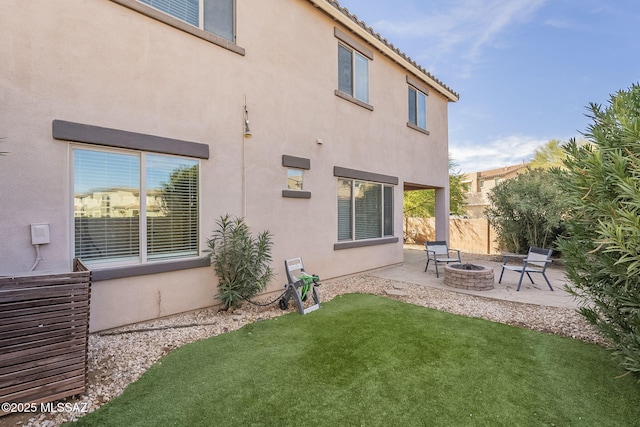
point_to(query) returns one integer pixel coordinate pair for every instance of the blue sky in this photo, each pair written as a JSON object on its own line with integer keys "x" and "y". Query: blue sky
{"x": 526, "y": 70}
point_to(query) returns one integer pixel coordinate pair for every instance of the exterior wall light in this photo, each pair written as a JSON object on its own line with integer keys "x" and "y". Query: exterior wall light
{"x": 247, "y": 131}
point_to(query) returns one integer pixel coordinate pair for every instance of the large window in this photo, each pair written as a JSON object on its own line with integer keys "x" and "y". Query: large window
{"x": 134, "y": 207}
{"x": 214, "y": 16}
{"x": 417, "y": 108}
{"x": 365, "y": 210}
{"x": 353, "y": 73}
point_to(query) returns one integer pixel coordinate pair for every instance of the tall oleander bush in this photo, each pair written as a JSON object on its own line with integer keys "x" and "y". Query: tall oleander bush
{"x": 527, "y": 210}
{"x": 241, "y": 261}
{"x": 602, "y": 247}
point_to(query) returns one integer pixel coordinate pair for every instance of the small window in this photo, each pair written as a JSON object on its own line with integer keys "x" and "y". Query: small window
{"x": 214, "y": 16}
{"x": 417, "y": 108}
{"x": 353, "y": 73}
{"x": 294, "y": 179}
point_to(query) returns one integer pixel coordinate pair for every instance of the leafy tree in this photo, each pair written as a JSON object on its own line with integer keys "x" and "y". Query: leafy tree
{"x": 602, "y": 248}
{"x": 241, "y": 261}
{"x": 527, "y": 210}
{"x": 422, "y": 203}
{"x": 549, "y": 155}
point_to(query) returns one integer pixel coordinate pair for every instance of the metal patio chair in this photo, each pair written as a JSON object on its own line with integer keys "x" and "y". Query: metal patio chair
{"x": 536, "y": 261}
{"x": 438, "y": 251}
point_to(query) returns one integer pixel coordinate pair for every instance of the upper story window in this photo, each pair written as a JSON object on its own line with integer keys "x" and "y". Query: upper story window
{"x": 353, "y": 73}
{"x": 417, "y": 108}
{"x": 417, "y": 96}
{"x": 214, "y": 16}
{"x": 353, "y": 69}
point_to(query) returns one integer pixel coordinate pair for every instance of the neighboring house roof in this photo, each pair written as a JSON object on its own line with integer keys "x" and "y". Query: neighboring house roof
{"x": 500, "y": 172}
{"x": 360, "y": 28}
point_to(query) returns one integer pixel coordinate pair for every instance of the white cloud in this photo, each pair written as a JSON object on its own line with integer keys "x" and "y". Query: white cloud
{"x": 462, "y": 28}
{"x": 503, "y": 151}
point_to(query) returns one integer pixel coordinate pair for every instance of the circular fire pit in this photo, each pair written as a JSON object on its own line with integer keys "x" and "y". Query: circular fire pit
{"x": 468, "y": 276}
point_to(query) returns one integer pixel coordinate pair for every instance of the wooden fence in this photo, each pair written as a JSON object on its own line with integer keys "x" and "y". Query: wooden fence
{"x": 44, "y": 330}
{"x": 469, "y": 235}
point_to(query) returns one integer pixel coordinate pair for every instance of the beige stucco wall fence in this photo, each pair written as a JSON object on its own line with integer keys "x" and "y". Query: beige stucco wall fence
{"x": 469, "y": 235}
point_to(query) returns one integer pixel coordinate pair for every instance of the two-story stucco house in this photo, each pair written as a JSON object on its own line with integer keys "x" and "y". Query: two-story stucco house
{"x": 479, "y": 185}
{"x": 126, "y": 124}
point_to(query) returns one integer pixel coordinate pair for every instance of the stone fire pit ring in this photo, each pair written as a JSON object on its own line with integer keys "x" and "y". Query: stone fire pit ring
{"x": 468, "y": 276}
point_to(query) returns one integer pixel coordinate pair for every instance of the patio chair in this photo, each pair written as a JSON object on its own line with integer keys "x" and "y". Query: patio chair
{"x": 536, "y": 261}
{"x": 438, "y": 251}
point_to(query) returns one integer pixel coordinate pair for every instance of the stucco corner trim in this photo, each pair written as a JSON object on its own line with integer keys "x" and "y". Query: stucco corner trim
{"x": 89, "y": 134}
{"x": 149, "y": 268}
{"x": 363, "y": 243}
{"x": 296, "y": 194}
{"x": 419, "y": 129}
{"x": 350, "y": 98}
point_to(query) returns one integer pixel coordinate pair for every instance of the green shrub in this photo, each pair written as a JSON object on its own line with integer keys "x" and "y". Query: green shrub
{"x": 241, "y": 261}
{"x": 527, "y": 210}
{"x": 602, "y": 248}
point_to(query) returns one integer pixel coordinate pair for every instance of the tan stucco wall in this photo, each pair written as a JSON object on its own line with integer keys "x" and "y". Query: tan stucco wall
{"x": 97, "y": 62}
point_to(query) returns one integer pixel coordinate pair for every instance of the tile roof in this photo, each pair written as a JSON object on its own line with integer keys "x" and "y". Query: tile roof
{"x": 495, "y": 173}
{"x": 390, "y": 45}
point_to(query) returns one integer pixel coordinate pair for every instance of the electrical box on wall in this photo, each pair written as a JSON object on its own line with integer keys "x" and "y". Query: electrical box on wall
{"x": 40, "y": 234}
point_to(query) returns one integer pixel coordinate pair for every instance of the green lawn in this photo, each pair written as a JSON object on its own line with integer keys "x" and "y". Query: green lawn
{"x": 364, "y": 360}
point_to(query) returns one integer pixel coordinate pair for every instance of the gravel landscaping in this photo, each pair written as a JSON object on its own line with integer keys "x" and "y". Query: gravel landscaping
{"x": 119, "y": 357}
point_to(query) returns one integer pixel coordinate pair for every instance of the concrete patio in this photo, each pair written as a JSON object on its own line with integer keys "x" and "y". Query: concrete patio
{"x": 412, "y": 271}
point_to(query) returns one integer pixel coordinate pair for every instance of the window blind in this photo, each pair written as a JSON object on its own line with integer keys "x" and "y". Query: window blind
{"x": 185, "y": 10}
{"x": 345, "y": 213}
{"x": 412, "y": 106}
{"x": 172, "y": 207}
{"x": 106, "y": 205}
{"x": 365, "y": 210}
{"x": 368, "y": 210}
{"x": 388, "y": 210}
{"x": 345, "y": 70}
{"x": 110, "y": 209}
